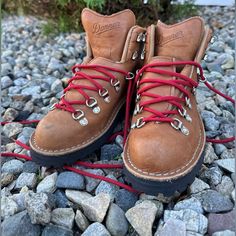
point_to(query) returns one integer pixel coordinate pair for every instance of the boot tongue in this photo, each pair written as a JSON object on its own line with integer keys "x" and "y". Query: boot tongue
{"x": 181, "y": 40}
{"x": 107, "y": 34}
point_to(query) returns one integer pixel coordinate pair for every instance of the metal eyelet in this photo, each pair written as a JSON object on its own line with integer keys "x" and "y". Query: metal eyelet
{"x": 137, "y": 109}
{"x": 52, "y": 107}
{"x": 116, "y": 84}
{"x": 142, "y": 56}
{"x": 135, "y": 55}
{"x": 104, "y": 94}
{"x": 130, "y": 76}
{"x": 139, "y": 38}
{"x": 188, "y": 103}
{"x": 144, "y": 38}
{"x": 79, "y": 115}
{"x": 137, "y": 97}
{"x": 213, "y": 39}
{"x": 138, "y": 124}
{"x": 179, "y": 126}
{"x": 92, "y": 103}
{"x": 184, "y": 114}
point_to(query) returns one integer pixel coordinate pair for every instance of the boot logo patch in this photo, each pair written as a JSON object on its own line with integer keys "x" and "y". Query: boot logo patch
{"x": 171, "y": 37}
{"x": 101, "y": 28}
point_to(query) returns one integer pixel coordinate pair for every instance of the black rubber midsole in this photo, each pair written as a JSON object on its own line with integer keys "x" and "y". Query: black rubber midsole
{"x": 167, "y": 188}
{"x": 71, "y": 158}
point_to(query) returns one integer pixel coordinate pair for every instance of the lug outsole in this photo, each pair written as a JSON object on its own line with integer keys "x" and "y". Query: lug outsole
{"x": 167, "y": 188}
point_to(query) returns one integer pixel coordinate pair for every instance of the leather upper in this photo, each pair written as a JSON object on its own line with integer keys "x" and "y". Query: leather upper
{"x": 111, "y": 40}
{"x": 157, "y": 151}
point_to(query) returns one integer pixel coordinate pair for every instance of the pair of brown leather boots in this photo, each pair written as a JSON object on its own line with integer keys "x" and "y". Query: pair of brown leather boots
{"x": 163, "y": 150}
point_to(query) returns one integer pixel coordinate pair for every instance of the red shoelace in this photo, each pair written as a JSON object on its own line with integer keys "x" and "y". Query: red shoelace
{"x": 156, "y": 115}
{"x": 107, "y": 76}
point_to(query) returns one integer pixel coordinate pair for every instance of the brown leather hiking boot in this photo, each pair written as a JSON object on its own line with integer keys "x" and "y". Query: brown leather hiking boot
{"x": 92, "y": 102}
{"x": 163, "y": 151}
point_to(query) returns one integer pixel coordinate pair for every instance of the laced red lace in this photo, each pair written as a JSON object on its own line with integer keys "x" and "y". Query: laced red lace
{"x": 181, "y": 84}
{"x": 95, "y": 86}
{"x": 156, "y": 115}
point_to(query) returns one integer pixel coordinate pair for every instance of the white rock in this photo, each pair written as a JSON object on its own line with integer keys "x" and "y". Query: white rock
{"x": 48, "y": 184}
{"x": 64, "y": 217}
{"x": 81, "y": 220}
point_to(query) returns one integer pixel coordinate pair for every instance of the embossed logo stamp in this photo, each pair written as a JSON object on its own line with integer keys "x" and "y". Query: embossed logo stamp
{"x": 101, "y": 28}
{"x": 171, "y": 37}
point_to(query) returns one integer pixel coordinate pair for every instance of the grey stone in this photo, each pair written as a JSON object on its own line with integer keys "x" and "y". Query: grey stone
{"x": 33, "y": 91}
{"x": 55, "y": 230}
{"x": 125, "y": 199}
{"x": 212, "y": 175}
{"x": 105, "y": 187}
{"x": 219, "y": 148}
{"x": 10, "y": 114}
{"x": 81, "y": 221}
{"x": 63, "y": 217}
{"x": 95, "y": 208}
{"x": 191, "y": 203}
{"x": 220, "y": 222}
{"x": 116, "y": 222}
{"x": 61, "y": 199}
{"x": 20, "y": 224}
{"x": 142, "y": 216}
{"x": 228, "y": 62}
{"x": 8, "y": 207}
{"x": 198, "y": 186}
{"x": 110, "y": 151}
{"x": 70, "y": 180}
{"x": 194, "y": 221}
{"x": 6, "y": 69}
{"x": 19, "y": 198}
{"x": 226, "y": 186}
{"x": 6, "y": 178}
{"x": 172, "y": 227}
{"x": 39, "y": 207}
{"x": 77, "y": 196}
{"x": 56, "y": 86}
{"x": 48, "y": 184}
{"x": 227, "y": 164}
{"x": 31, "y": 167}
{"x": 13, "y": 167}
{"x": 209, "y": 154}
{"x": 96, "y": 229}
{"x": 224, "y": 233}
{"x": 213, "y": 201}
{"x": 24, "y": 136}
{"x": 6, "y": 82}
{"x": 26, "y": 179}
{"x": 92, "y": 183}
{"x": 210, "y": 122}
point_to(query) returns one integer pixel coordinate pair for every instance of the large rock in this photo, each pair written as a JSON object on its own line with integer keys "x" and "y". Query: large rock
{"x": 6, "y": 178}
{"x": 105, "y": 187}
{"x": 194, "y": 221}
{"x": 172, "y": 227}
{"x": 70, "y": 180}
{"x": 8, "y": 207}
{"x": 191, "y": 203}
{"x": 13, "y": 167}
{"x": 77, "y": 196}
{"x": 26, "y": 179}
{"x": 48, "y": 184}
{"x": 11, "y": 130}
{"x": 63, "y": 217}
{"x": 227, "y": 164}
{"x": 198, "y": 186}
{"x": 116, "y": 222}
{"x": 96, "y": 229}
{"x": 224, "y": 233}
{"x": 214, "y": 202}
{"x": 95, "y": 208}
{"x": 221, "y": 222}
{"x": 142, "y": 216}
{"x": 125, "y": 199}
{"x": 55, "y": 230}
{"x": 20, "y": 224}
{"x": 81, "y": 220}
{"x": 39, "y": 207}
{"x": 92, "y": 183}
